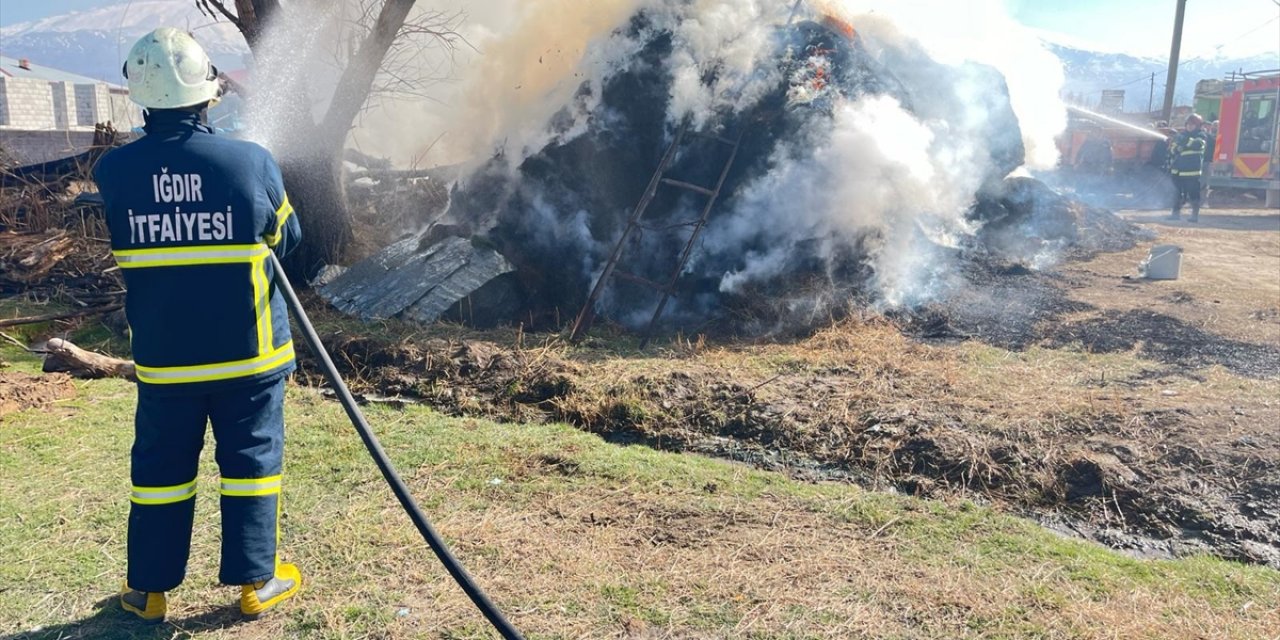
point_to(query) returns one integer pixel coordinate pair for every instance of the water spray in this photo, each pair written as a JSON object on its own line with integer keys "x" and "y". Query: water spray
{"x": 397, "y": 485}
{"x": 1119, "y": 123}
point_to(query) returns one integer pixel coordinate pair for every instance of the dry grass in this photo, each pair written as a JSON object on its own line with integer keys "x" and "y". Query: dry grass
{"x": 576, "y": 538}
{"x": 1116, "y": 440}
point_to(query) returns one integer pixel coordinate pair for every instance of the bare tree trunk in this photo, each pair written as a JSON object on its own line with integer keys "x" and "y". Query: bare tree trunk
{"x": 314, "y": 181}
{"x": 357, "y": 79}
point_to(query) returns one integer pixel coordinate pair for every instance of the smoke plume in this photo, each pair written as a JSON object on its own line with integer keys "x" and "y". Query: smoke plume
{"x": 881, "y": 170}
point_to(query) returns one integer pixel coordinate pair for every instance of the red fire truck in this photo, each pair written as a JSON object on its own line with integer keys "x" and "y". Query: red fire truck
{"x": 1247, "y": 153}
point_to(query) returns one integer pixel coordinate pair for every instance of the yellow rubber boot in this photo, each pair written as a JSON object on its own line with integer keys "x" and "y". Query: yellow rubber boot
{"x": 149, "y": 607}
{"x": 260, "y": 597}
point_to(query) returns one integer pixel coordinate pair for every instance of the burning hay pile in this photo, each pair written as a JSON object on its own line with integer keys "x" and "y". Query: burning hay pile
{"x": 857, "y": 169}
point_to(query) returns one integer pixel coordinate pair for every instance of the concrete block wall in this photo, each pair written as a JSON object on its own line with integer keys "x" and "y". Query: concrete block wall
{"x": 101, "y": 103}
{"x": 29, "y": 103}
{"x": 38, "y": 105}
{"x": 86, "y": 105}
{"x": 63, "y": 96}
{"x": 42, "y": 120}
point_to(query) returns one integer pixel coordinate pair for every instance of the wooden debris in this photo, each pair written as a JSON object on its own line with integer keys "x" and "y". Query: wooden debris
{"x": 33, "y": 262}
{"x": 61, "y": 356}
{"x": 49, "y": 317}
{"x": 59, "y": 265}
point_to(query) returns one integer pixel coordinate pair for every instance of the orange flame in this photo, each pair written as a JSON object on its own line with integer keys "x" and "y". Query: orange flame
{"x": 841, "y": 25}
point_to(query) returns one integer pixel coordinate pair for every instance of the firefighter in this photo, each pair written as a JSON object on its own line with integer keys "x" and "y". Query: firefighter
{"x": 1188, "y": 155}
{"x": 192, "y": 217}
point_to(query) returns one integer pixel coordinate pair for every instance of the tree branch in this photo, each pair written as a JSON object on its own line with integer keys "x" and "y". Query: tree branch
{"x": 79, "y": 313}
{"x": 357, "y": 79}
{"x": 209, "y": 7}
{"x": 250, "y": 15}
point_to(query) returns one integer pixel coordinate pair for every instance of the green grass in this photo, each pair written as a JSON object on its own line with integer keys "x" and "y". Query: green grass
{"x": 89, "y": 333}
{"x": 574, "y": 538}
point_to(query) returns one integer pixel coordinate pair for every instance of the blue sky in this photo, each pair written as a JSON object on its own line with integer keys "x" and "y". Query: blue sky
{"x": 14, "y": 11}
{"x": 1136, "y": 26}
{"x": 1146, "y": 26}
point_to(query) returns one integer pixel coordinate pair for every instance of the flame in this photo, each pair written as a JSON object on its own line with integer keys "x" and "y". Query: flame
{"x": 841, "y": 25}
{"x": 836, "y": 15}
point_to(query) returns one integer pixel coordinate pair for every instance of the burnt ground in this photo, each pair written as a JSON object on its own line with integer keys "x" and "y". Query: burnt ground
{"x": 1140, "y": 414}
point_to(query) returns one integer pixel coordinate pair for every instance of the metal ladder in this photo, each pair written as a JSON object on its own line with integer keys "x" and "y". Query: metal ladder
{"x": 587, "y": 316}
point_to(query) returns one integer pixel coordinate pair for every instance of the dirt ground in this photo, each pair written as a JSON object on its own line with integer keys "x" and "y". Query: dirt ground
{"x": 20, "y": 391}
{"x": 1142, "y": 414}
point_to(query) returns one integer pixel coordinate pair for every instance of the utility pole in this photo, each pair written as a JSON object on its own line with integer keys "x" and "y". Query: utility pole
{"x": 1151, "y": 97}
{"x": 1172, "y": 80}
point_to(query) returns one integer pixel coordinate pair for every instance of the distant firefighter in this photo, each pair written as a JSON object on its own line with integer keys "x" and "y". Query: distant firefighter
{"x": 1189, "y": 152}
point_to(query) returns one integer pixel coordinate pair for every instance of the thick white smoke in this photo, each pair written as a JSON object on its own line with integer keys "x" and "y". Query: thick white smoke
{"x": 978, "y": 31}
{"x": 897, "y": 178}
{"x": 518, "y": 64}
{"x": 880, "y": 176}
{"x": 730, "y": 42}
{"x": 525, "y": 62}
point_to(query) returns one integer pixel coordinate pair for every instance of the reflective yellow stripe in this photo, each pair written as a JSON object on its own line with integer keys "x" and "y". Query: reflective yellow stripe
{"x": 282, "y": 214}
{"x": 190, "y": 256}
{"x": 163, "y": 495}
{"x": 250, "y": 487}
{"x": 262, "y": 305}
{"x": 217, "y": 370}
{"x": 279, "y": 510}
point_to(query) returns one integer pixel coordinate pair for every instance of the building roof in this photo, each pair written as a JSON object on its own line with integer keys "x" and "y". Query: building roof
{"x": 11, "y": 68}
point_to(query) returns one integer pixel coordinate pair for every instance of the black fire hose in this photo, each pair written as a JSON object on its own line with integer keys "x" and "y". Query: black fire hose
{"x": 380, "y": 457}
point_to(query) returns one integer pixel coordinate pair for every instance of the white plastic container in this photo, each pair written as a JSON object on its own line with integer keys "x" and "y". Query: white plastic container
{"x": 1164, "y": 263}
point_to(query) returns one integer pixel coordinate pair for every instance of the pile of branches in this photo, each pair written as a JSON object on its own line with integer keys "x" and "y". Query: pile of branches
{"x": 53, "y": 239}
{"x": 59, "y": 265}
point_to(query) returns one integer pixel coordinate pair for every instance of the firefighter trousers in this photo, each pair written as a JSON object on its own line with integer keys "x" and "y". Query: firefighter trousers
{"x": 1188, "y": 192}
{"x": 248, "y": 427}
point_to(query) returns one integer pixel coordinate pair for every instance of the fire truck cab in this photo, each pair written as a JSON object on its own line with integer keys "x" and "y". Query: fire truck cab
{"x": 1247, "y": 154}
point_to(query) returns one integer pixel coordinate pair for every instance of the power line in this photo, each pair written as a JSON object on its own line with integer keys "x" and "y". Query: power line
{"x": 1260, "y": 27}
{"x": 1257, "y": 28}
{"x": 1145, "y": 76}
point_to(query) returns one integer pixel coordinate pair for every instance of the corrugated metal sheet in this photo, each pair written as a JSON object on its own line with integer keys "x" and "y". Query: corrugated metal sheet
{"x": 413, "y": 282}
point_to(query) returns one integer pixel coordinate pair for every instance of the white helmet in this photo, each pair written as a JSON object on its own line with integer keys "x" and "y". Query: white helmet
{"x": 168, "y": 69}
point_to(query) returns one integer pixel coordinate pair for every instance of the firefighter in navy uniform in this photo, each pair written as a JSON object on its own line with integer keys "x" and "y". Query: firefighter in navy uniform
{"x": 1188, "y": 155}
{"x": 192, "y": 218}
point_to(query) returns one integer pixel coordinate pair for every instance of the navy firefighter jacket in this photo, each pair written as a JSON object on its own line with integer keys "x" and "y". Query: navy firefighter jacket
{"x": 192, "y": 217}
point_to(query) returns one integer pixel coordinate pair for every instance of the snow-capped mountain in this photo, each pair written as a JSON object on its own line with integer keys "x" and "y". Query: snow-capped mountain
{"x": 94, "y": 42}
{"x": 1089, "y": 72}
